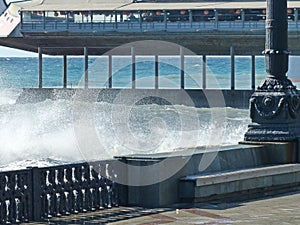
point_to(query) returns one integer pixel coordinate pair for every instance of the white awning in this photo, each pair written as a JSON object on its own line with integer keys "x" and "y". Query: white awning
{"x": 128, "y": 5}
{"x": 73, "y": 5}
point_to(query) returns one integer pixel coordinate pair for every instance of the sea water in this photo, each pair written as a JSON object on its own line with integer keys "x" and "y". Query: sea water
{"x": 48, "y": 132}
{"x": 21, "y": 72}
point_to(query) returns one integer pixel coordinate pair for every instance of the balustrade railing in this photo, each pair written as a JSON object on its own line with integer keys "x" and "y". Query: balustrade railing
{"x": 178, "y": 26}
{"x": 36, "y": 194}
{"x": 16, "y": 196}
{"x": 141, "y": 27}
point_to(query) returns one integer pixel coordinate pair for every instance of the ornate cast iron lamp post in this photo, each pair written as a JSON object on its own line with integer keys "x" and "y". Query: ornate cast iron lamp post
{"x": 275, "y": 105}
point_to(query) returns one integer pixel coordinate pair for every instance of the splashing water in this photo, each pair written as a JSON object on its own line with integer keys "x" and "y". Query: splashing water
{"x": 43, "y": 133}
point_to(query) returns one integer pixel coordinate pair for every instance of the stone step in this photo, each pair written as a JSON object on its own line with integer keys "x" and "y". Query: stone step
{"x": 221, "y": 184}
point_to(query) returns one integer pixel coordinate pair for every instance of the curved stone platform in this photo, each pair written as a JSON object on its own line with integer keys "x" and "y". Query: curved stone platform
{"x": 242, "y": 159}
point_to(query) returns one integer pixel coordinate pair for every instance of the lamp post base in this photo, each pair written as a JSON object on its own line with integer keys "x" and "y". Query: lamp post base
{"x": 275, "y": 112}
{"x": 273, "y": 132}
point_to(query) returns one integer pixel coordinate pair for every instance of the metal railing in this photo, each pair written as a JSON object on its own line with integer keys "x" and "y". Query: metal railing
{"x": 16, "y": 196}
{"x": 179, "y": 26}
{"x": 36, "y": 194}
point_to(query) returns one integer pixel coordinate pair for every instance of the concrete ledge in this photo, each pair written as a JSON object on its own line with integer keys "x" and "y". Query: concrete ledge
{"x": 241, "y": 174}
{"x": 194, "y": 188}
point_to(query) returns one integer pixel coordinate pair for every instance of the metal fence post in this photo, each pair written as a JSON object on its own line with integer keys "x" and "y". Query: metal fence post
{"x": 204, "y": 72}
{"x": 133, "y": 68}
{"x": 181, "y": 68}
{"x": 156, "y": 72}
{"x": 232, "y": 59}
{"x": 253, "y": 72}
{"x": 86, "y": 67}
{"x": 40, "y": 56}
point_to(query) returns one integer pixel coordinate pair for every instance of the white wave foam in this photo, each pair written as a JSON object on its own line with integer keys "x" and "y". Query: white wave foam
{"x": 26, "y": 163}
{"x": 37, "y": 131}
{"x": 9, "y": 96}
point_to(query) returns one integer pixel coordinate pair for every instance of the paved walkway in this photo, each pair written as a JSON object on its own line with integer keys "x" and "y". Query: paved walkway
{"x": 284, "y": 209}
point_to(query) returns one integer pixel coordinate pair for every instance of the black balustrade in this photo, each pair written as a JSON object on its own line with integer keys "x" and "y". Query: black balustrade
{"x": 15, "y": 196}
{"x": 37, "y": 194}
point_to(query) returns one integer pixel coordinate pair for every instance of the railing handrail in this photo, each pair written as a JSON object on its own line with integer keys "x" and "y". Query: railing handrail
{"x": 156, "y": 26}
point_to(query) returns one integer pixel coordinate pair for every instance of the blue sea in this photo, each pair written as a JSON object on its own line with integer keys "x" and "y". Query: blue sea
{"x": 50, "y": 132}
{"x": 23, "y": 72}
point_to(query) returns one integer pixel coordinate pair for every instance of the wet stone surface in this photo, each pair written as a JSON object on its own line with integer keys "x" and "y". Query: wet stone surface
{"x": 281, "y": 209}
